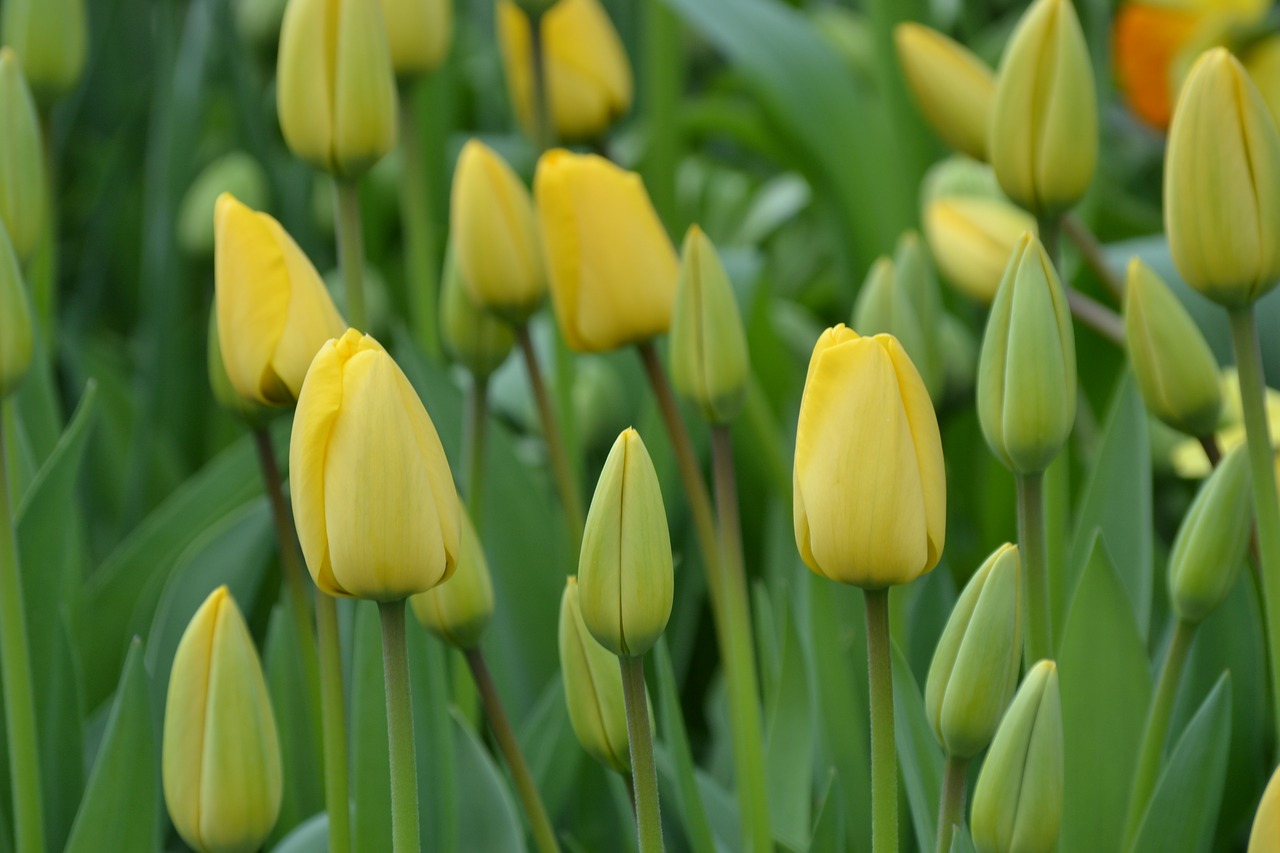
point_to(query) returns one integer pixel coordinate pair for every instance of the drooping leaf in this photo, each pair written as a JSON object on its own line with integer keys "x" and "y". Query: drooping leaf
{"x": 496, "y": 826}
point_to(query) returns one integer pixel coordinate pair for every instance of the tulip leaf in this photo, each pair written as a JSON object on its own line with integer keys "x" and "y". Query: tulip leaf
{"x": 919, "y": 756}
{"x": 122, "y": 800}
{"x": 370, "y": 753}
{"x": 828, "y": 827}
{"x": 1106, "y": 689}
{"x": 303, "y": 767}
{"x": 496, "y": 826}
{"x": 429, "y": 681}
{"x": 789, "y": 741}
{"x": 310, "y": 836}
{"x": 1184, "y": 807}
{"x": 961, "y": 842}
{"x": 671, "y": 729}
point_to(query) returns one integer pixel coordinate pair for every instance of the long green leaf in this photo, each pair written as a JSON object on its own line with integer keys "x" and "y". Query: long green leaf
{"x": 310, "y": 836}
{"x": 303, "y": 794}
{"x": 919, "y": 756}
{"x": 671, "y": 728}
{"x": 789, "y": 741}
{"x": 497, "y": 825}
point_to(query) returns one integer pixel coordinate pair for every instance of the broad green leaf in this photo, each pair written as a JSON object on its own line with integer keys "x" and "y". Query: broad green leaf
{"x": 433, "y": 740}
{"x": 919, "y": 756}
{"x": 301, "y": 750}
{"x": 370, "y": 754}
{"x": 310, "y": 836}
{"x": 961, "y": 842}
{"x": 495, "y": 823}
{"x": 671, "y": 731}
{"x": 789, "y": 740}
{"x": 828, "y": 827}
{"x": 551, "y": 748}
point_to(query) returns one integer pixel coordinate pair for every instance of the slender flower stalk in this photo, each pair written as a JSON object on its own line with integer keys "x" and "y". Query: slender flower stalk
{"x": 351, "y": 248}
{"x": 475, "y": 433}
{"x": 544, "y": 129}
{"x": 1091, "y": 251}
{"x": 884, "y": 756}
{"x": 1033, "y": 547}
{"x": 955, "y": 779}
{"x": 420, "y": 251}
{"x": 404, "y": 770}
{"x": 644, "y": 771}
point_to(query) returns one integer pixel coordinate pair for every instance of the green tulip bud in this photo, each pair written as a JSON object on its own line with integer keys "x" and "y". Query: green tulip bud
{"x": 459, "y": 610}
{"x": 592, "y": 688}
{"x": 1212, "y": 542}
{"x": 971, "y": 238}
{"x": 15, "y": 320}
{"x": 884, "y": 306}
{"x": 1027, "y": 368}
{"x": 51, "y": 37}
{"x": 237, "y": 173}
{"x": 975, "y": 667}
{"x": 709, "y": 363}
{"x": 913, "y": 273}
{"x": 1265, "y": 834}
{"x": 959, "y": 350}
{"x": 958, "y": 175}
{"x": 1017, "y": 803}
{"x": 1176, "y": 371}
{"x": 22, "y": 171}
{"x": 475, "y": 338}
{"x": 625, "y": 571}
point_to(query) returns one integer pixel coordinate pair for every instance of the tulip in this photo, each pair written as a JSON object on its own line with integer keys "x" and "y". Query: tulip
{"x": 592, "y": 688}
{"x": 221, "y": 754}
{"x": 1176, "y": 371}
{"x": 418, "y": 33}
{"x": 335, "y": 87}
{"x": 273, "y": 310}
{"x": 1222, "y": 184}
{"x": 1017, "y": 803}
{"x": 709, "y": 363}
{"x": 612, "y": 267}
{"x": 1213, "y": 541}
{"x": 913, "y": 274}
{"x": 1265, "y": 834}
{"x": 51, "y": 38}
{"x": 224, "y": 394}
{"x": 971, "y": 240}
{"x": 1043, "y": 137}
{"x": 588, "y": 78}
{"x": 15, "y": 321}
{"x": 953, "y": 87}
{"x": 476, "y": 339}
{"x": 1027, "y": 368}
{"x": 870, "y": 489}
{"x": 236, "y": 173}
{"x": 959, "y": 175}
{"x": 22, "y": 168}
{"x": 495, "y": 235}
{"x": 625, "y": 574}
{"x": 884, "y": 306}
{"x": 459, "y": 610}
{"x": 373, "y": 498}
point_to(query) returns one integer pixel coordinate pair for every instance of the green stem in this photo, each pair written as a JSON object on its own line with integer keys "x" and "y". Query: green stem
{"x": 475, "y": 431}
{"x": 543, "y": 833}
{"x": 644, "y": 772}
{"x": 884, "y": 754}
{"x": 1094, "y": 255}
{"x": 404, "y": 770}
{"x": 351, "y": 249}
{"x": 951, "y": 808}
{"x": 543, "y": 125}
{"x": 334, "y": 720}
{"x": 422, "y": 285}
{"x": 1087, "y": 310}
{"x": 1050, "y": 233}
{"x": 1157, "y": 729}
{"x": 1033, "y": 550}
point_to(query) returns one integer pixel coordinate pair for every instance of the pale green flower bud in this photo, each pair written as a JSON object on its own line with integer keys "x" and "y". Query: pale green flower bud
{"x": 961, "y": 176}
{"x": 52, "y": 38}
{"x": 592, "y": 688}
{"x": 1213, "y": 540}
{"x": 22, "y": 172}
{"x": 953, "y": 87}
{"x": 459, "y": 610}
{"x": 883, "y": 306}
{"x": 475, "y": 338}
{"x": 237, "y": 173}
{"x": 15, "y": 320}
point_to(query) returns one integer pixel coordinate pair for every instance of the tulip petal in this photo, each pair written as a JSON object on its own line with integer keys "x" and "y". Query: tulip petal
{"x": 184, "y": 720}
{"x": 646, "y": 595}
{"x": 304, "y": 79}
{"x": 318, "y": 407}
{"x": 365, "y": 108}
{"x": 311, "y": 317}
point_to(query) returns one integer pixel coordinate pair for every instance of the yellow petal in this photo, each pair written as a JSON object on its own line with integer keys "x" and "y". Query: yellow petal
{"x": 184, "y": 719}
{"x": 418, "y": 33}
{"x": 953, "y": 87}
{"x": 588, "y": 76}
{"x": 304, "y": 80}
{"x": 365, "y": 109}
{"x": 971, "y": 239}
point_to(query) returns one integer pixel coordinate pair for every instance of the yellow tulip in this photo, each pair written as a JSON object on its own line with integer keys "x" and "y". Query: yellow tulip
{"x": 15, "y": 320}
{"x": 1222, "y": 184}
{"x": 495, "y": 235}
{"x": 588, "y": 76}
{"x": 373, "y": 498}
{"x": 613, "y": 269}
{"x": 22, "y": 169}
{"x": 592, "y": 688}
{"x": 335, "y": 87}
{"x": 870, "y": 499}
{"x": 51, "y": 37}
{"x": 475, "y": 338}
{"x": 1265, "y": 835}
{"x": 458, "y": 611}
{"x": 953, "y": 87}
{"x": 884, "y": 305}
{"x": 273, "y": 310}
{"x": 418, "y": 34}
{"x": 221, "y": 753}
{"x": 971, "y": 239}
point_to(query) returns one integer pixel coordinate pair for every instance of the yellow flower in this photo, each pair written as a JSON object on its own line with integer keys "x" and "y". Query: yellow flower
{"x": 613, "y": 269}
{"x": 373, "y": 498}
{"x": 458, "y": 611}
{"x": 953, "y": 88}
{"x": 22, "y": 169}
{"x": 15, "y": 320}
{"x": 335, "y": 87}
{"x": 1222, "y": 184}
{"x": 588, "y": 76}
{"x": 51, "y": 38}
{"x": 870, "y": 490}
{"x": 1265, "y": 834}
{"x": 1188, "y": 456}
{"x": 971, "y": 239}
{"x": 592, "y": 688}
{"x": 418, "y": 33}
{"x": 475, "y": 338}
{"x": 495, "y": 235}
{"x": 273, "y": 310}
{"x": 221, "y": 754}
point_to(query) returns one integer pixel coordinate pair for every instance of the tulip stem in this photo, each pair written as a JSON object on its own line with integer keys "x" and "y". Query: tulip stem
{"x": 351, "y": 249}
{"x": 543, "y": 126}
{"x": 951, "y": 810}
{"x": 1091, "y": 250}
{"x": 1157, "y": 729}
{"x": 422, "y": 285}
{"x": 1033, "y": 547}
{"x": 644, "y": 772}
{"x": 333, "y": 717}
{"x": 404, "y": 770}
{"x": 1095, "y": 315}
{"x": 884, "y": 754}
{"x": 474, "y": 436}
{"x": 543, "y": 833}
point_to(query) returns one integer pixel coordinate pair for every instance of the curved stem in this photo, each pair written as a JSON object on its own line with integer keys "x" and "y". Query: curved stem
{"x": 644, "y": 772}
{"x": 333, "y": 717}
{"x": 951, "y": 808}
{"x": 560, "y": 468}
{"x": 1033, "y": 550}
{"x": 884, "y": 754}
{"x": 404, "y": 770}
{"x": 1092, "y": 313}
{"x": 1092, "y": 252}
{"x": 421, "y": 283}
{"x": 474, "y": 435}
{"x": 351, "y": 249}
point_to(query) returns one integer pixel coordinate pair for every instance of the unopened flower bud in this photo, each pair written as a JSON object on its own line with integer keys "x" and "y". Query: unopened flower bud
{"x": 592, "y": 688}
{"x": 476, "y": 339}
{"x": 22, "y": 170}
{"x": 953, "y": 88}
{"x": 51, "y": 37}
{"x": 1213, "y": 540}
{"x": 884, "y": 307}
{"x": 459, "y": 610}
{"x": 971, "y": 238}
{"x": 15, "y": 320}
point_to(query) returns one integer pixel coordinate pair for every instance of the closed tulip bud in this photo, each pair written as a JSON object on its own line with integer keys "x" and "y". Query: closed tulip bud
{"x": 613, "y": 269}
{"x": 373, "y": 498}
{"x": 495, "y": 235}
{"x": 236, "y": 173}
{"x": 913, "y": 274}
{"x": 224, "y": 393}
{"x": 625, "y": 573}
{"x": 1043, "y": 137}
{"x": 1213, "y": 540}
{"x": 884, "y": 306}
{"x": 962, "y": 176}
{"x": 953, "y": 87}
{"x": 709, "y": 363}
{"x": 588, "y": 77}
{"x": 1222, "y": 184}
{"x": 273, "y": 310}
{"x": 221, "y": 754}
{"x": 475, "y": 338}
{"x": 22, "y": 170}
{"x": 335, "y": 88}
{"x": 592, "y": 688}
{"x": 975, "y": 667}
{"x": 1265, "y": 835}
{"x": 51, "y": 37}
{"x": 418, "y": 34}
{"x": 1027, "y": 368}
{"x": 459, "y": 610}
{"x": 15, "y": 320}
{"x": 971, "y": 240}
{"x": 1017, "y": 803}
{"x": 870, "y": 500}
{"x": 1176, "y": 371}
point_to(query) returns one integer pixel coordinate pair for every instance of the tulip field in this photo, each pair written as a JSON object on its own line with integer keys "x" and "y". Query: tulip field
{"x": 623, "y": 426}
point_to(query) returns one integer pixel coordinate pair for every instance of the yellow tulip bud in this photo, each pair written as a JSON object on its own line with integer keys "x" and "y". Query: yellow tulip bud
{"x": 475, "y": 338}
{"x": 1213, "y": 540}
{"x": 972, "y": 238}
{"x": 625, "y": 572}
{"x": 22, "y": 170}
{"x": 885, "y": 307}
{"x": 1265, "y": 835}
{"x": 1043, "y": 138}
{"x": 959, "y": 175}
{"x": 870, "y": 501}
{"x": 15, "y": 320}
{"x": 613, "y": 269}
{"x": 953, "y": 87}
{"x": 459, "y": 610}
{"x": 709, "y": 363}
{"x": 224, "y": 393}
{"x": 1017, "y": 803}
{"x": 418, "y": 34}
{"x": 1176, "y": 371}
{"x": 975, "y": 667}
{"x": 1027, "y": 368}
{"x": 495, "y": 235}
{"x": 1222, "y": 184}
{"x": 236, "y": 173}
{"x": 373, "y": 498}
{"x": 221, "y": 754}
{"x": 587, "y": 73}
{"x": 273, "y": 310}
{"x": 51, "y": 37}
{"x": 335, "y": 88}
{"x": 592, "y": 688}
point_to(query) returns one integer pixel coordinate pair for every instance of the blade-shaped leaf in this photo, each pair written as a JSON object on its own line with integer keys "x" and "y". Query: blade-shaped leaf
{"x": 789, "y": 741}
{"x": 919, "y": 756}
{"x": 303, "y": 794}
{"x": 671, "y": 730}
{"x": 496, "y": 826}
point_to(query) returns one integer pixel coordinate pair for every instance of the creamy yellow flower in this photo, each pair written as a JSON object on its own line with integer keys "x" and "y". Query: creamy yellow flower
{"x": 971, "y": 239}
{"x": 418, "y": 34}
{"x": 23, "y": 198}
{"x": 52, "y": 38}
{"x": 458, "y": 611}
{"x": 953, "y": 87}
{"x": 1265, "y": 835}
